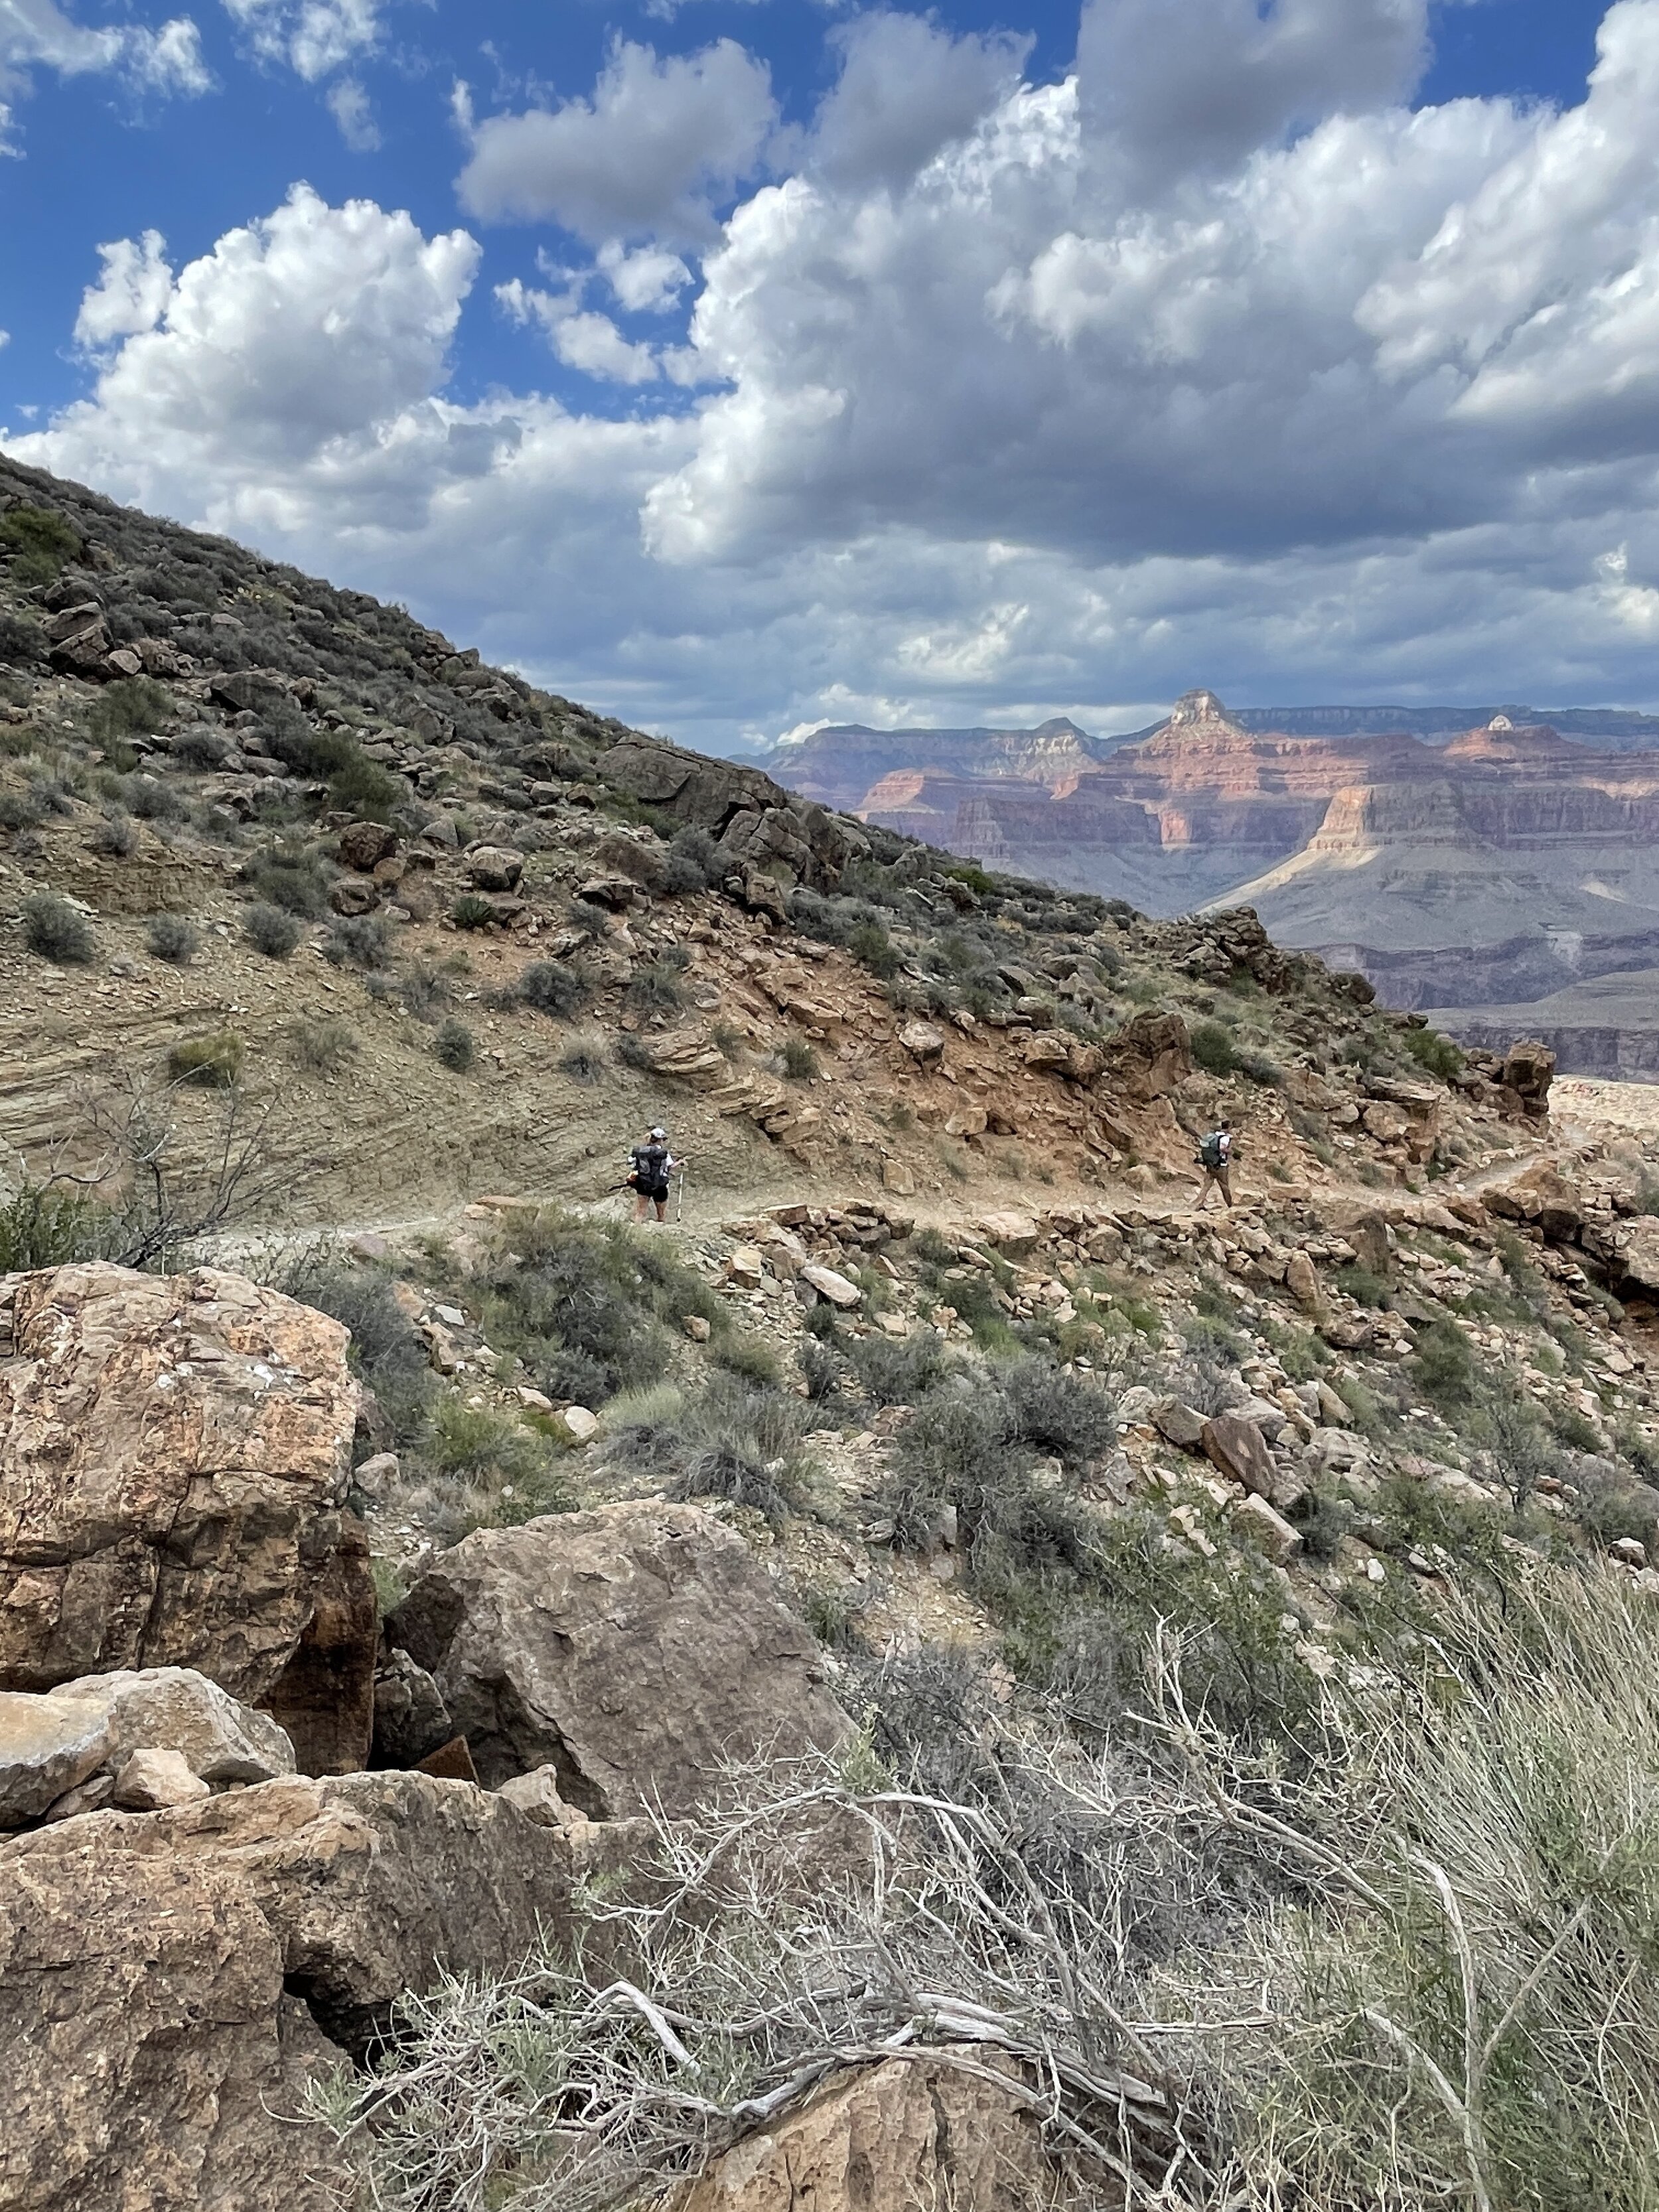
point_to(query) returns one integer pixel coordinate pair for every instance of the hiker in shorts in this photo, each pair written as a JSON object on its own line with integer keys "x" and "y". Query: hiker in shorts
{"x": 651, "y": 1165}
{"x": 1215, "y": 1157}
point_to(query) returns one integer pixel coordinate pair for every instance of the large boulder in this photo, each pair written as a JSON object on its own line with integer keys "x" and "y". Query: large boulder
{"x": 372, "y": 1883}
{"x": 1541, "y": 1196}
{"x": 635, "y": 1649}
{"x": 57, "y": 1742}
{"x": 167, "y": 1980}
{"x": 1149, "y": 1055}
{"x": 153, "y": 2059}
{"x": 1527, "y": 1071}
{"x": 173, "y": 1452}
{"x": 761, "y": 827}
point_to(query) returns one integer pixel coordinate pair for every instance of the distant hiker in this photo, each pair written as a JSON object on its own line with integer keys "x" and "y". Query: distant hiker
{"x": 1215, "y": 1157}
{"x": 652, "y": 1165}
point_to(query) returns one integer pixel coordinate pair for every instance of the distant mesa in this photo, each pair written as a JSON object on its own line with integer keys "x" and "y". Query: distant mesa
{"x": 1473, "y": 860}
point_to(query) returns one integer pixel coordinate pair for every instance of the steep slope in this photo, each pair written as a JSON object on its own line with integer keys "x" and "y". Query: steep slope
{"x": 456, "y": 934}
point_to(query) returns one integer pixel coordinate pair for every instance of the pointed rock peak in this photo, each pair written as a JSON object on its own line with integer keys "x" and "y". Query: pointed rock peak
{"x": 1197, "y": 706}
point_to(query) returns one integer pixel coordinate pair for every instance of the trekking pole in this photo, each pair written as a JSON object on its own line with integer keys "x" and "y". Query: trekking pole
{"x": 679, "y": 1199}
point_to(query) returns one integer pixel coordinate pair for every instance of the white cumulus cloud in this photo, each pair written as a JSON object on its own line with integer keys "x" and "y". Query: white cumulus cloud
{"x": 905, "y": 88}
{"x": 131, "y": 293}
{"x": 657, "y": 141}
{"x": 647, "y": 281}
{"x": 165, "y": 59}
{"x": 1019, "y": 414}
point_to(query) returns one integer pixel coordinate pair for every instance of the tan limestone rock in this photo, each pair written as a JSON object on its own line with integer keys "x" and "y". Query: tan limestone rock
{"x": 635, "y": 1649}
{"x": 174, "y": 1450}
{"x": 151, "y": 1781}
{"x": 888, "y": 2138}
{"x": 830, "y": 1285}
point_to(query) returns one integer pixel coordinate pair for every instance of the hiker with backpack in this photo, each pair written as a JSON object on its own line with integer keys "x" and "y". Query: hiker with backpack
{"x": 650, "y": 1166}
{"x": 1215, "y": 1157}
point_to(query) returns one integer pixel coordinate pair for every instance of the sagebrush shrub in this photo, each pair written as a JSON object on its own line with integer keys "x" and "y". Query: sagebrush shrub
{"x": 555, "y": 987}
{"x": 172, "y": 937}
{"x": 57, "y": 931}
{"x": 271, "y": 930}
{"x": 453, "y": 1045}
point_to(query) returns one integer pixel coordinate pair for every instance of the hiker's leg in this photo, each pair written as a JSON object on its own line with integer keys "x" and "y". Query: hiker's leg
{"x": 1226, "y": 1180}
{"x": 662, "y": 1209}
{"x": 639, "y": 1207}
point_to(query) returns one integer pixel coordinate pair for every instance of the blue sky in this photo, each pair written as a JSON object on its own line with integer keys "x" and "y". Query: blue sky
{"x": 744, "y": 363}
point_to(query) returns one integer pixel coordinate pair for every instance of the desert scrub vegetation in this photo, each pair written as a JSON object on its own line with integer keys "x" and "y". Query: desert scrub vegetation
{"x": 271, "y": 930}
{"x": 172, "y": 937}
{"x": 386, "y": 1350}
{"x": 736, "y": 1437}
{"x": 215, "y": 1062}
{"x": 590, "y": 1308}
{"x": 56, "y": 931}
{"x": 454, "y": 1046}
{"x": 1416, "y": 1972}
{"x": 558, "y": 987}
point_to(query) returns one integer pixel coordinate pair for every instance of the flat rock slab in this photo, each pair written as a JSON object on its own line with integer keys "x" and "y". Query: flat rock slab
{"x": 1238, "y": 1449}
{"x": 635, "y": 1650}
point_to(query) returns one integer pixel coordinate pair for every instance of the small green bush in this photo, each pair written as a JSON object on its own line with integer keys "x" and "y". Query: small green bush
{"x": 271, "y": 930}
{"x": 800, "y": 1062}
{"x": 151, "y": 800}
{"x": 898, "y": 1371}
{"x": 214, "y": 1062}
{"x": 295, "y": 881}
{"x": 358, "y": 940}
{"x": 116, "y": 837}
{"x": 46, "y": 1226}
{"x": 40, "y": 542}
{"x": 693, "y": 863}
{"x": 1435, "y": 1053}
{"x": 871, "y": 947}
{"x": 133, "y": 706}
{"x": 1213, "y": 1048}
{"x": 654, "y": 987}
{"x": 472, "y": 911}
{"x": 57, "y": 931}
{"x": 1444, "y": 1366}
{"x": 750, "y": 1357}
{"x": 325, "y": 1043}
{"x": 454, "y": 1046}
{"x": 172, "y": 937}
{"x": 559, "y": 988}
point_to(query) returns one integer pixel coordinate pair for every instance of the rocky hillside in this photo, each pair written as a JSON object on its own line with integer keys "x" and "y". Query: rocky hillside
{"x": 941, "y": 1674}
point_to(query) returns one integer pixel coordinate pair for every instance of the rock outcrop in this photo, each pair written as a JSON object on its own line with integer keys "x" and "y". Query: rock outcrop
{"x": 153, "y": 2058}
{"x": 168, "y": 1981}
{"x": 887, "y": 2138}
{"x": 61, "y": 1742}
{"x": 173, "y": 1452}
{"x": 635, "y": 1650}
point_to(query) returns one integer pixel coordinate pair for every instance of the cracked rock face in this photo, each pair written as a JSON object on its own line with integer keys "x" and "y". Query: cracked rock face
{"x": 169, "y": 1980}
{"x": 173, "y": 1452}
{"x": 635, "y": 1650}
